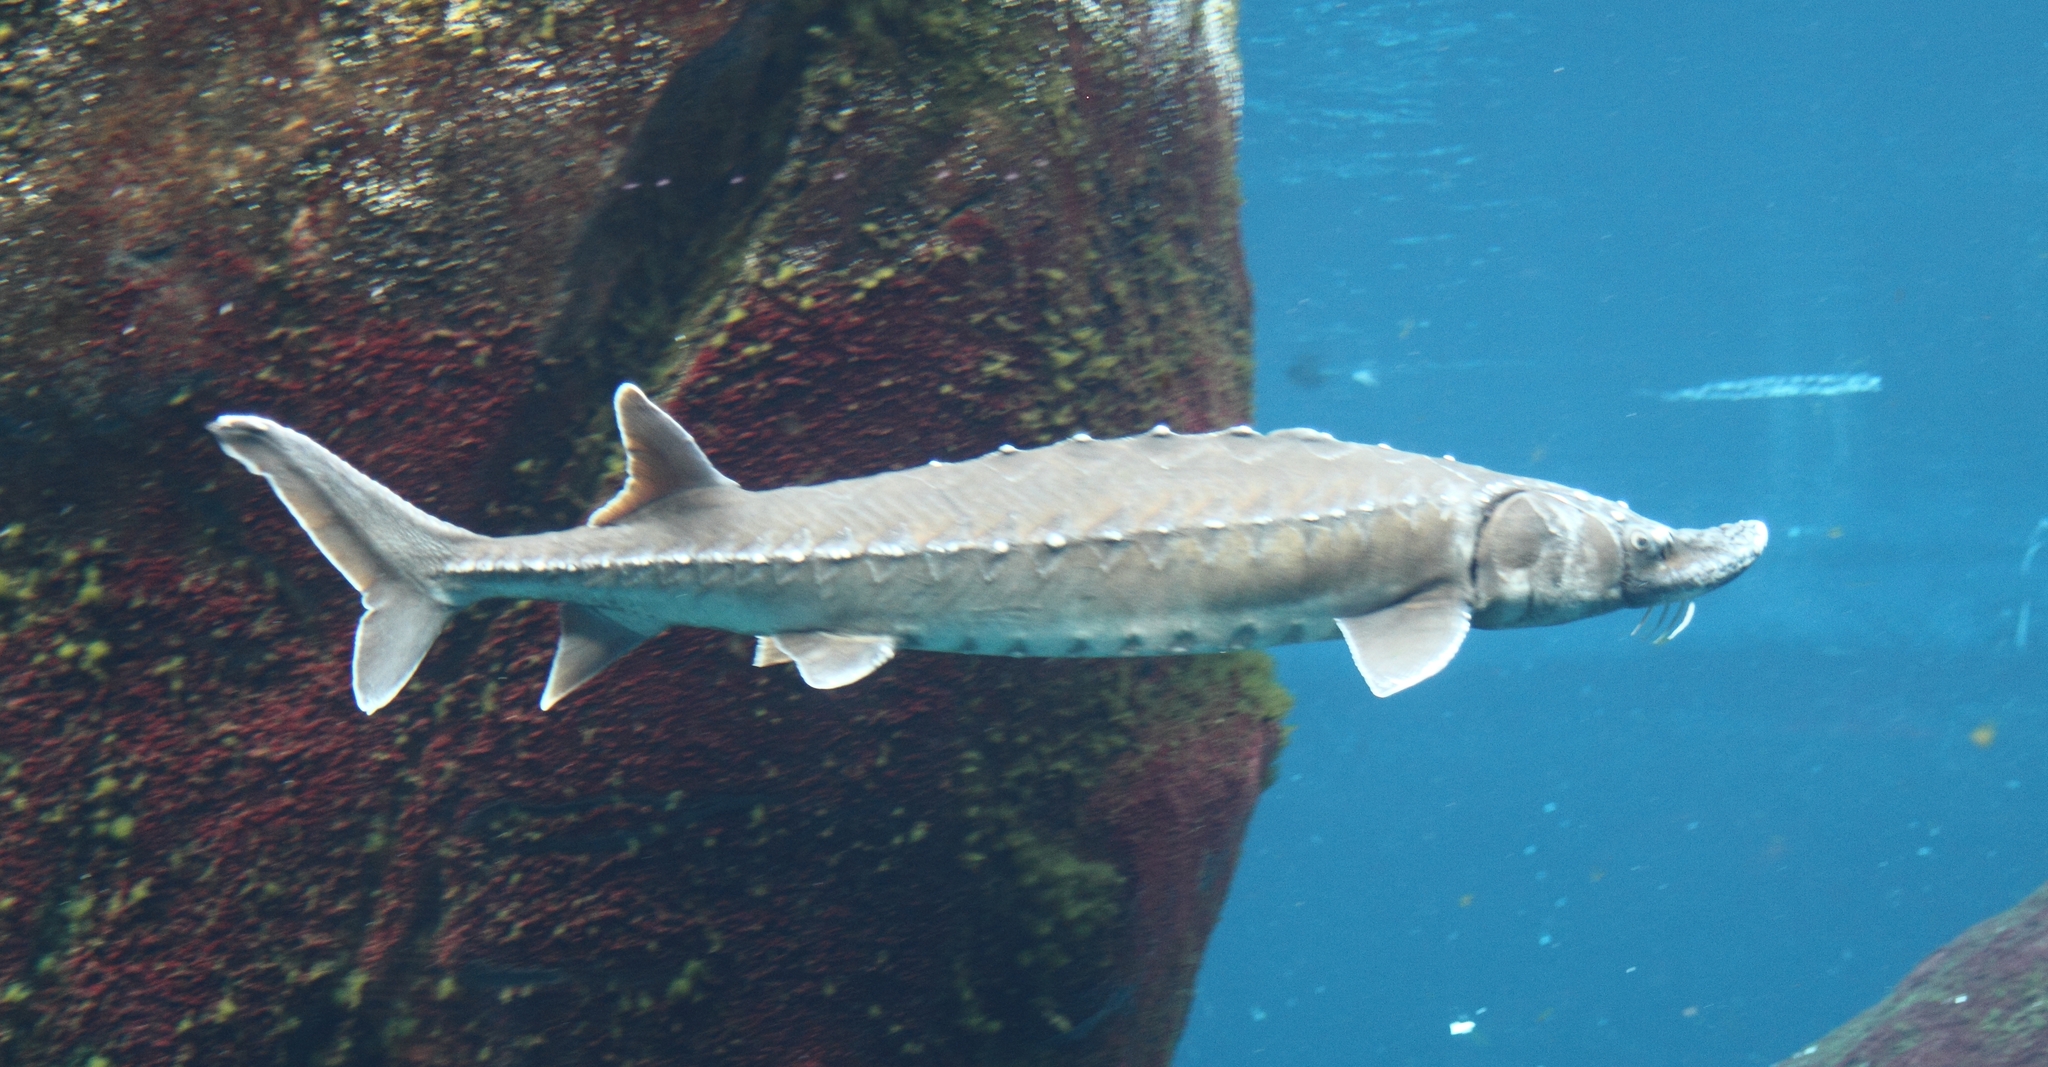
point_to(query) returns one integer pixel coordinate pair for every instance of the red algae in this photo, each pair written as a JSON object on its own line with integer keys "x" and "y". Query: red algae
{"x": 842, "y": 238}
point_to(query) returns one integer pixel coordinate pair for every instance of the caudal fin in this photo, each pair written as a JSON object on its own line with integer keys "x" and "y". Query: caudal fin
{"x": 385, "y": 547}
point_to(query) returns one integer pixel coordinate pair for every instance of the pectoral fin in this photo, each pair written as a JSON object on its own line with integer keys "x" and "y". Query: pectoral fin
{"x": 590, "y": 641}
{"x": 826, "y": 661}
{"x": 1399, "y": 646}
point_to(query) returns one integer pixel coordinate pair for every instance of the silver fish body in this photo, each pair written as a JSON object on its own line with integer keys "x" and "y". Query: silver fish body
{"x": 1160, "y": 543}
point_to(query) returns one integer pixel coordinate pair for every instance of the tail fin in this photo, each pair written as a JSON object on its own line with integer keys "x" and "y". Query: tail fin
{"x": 385, "y": 547}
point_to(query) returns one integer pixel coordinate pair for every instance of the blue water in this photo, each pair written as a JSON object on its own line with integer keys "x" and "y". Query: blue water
{"x": 1503, "y": 232}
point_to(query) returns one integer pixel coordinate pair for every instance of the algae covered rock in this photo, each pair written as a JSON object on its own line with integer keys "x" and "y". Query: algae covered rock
{"x": 1979, "y": 1001}
{"x": 840, "y": 238}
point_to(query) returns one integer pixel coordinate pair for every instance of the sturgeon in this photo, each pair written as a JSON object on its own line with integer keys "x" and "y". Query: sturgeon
{"x": 1157, "y": 544}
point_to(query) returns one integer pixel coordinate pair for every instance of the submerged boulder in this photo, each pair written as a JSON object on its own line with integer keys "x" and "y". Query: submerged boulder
{"x": 1976, "y": 1002}
{"x": 840, "y": 238}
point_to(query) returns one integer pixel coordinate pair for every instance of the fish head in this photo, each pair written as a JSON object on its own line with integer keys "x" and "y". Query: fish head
{"x": 1666, "y": 566}
{"x": 1550, "y": 556}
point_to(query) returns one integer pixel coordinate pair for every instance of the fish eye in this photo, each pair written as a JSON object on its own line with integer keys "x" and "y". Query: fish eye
{"x": 1639, "y": 541}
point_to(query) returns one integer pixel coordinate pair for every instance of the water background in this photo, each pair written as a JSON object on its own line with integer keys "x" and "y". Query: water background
{"x": 1523, "y": 224}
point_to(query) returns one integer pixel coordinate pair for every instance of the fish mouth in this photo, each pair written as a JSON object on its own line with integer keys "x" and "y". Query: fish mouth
{"x": 1699, "y": 562}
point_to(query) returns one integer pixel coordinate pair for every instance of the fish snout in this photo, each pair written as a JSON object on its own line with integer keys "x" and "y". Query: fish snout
{"x": 1697, "y": 562}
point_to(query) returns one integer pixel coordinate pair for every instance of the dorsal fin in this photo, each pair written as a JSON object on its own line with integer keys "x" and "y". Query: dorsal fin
{"x": 661, "y": 457}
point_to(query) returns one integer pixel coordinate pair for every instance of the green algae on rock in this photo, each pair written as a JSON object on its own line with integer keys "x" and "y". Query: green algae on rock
{"x": 438, "y": 234}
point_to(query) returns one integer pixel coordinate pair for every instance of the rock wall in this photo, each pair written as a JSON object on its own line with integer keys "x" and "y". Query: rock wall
{"x": 837, "y": 238}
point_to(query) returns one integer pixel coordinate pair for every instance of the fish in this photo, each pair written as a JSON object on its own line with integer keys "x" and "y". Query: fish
{"x": 1161, "y": 543}
{"x": 2035, "y": 544}
{"x": 1779, "y": 387}
{"x": 1374, "y": 374}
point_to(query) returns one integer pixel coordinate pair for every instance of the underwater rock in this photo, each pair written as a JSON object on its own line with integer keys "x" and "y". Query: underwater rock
{"x": 844, "y": 237}
{"x": 1976, "y": 1002}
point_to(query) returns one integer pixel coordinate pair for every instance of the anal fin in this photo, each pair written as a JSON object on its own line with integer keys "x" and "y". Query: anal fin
{"x": 826, "y": 660}
{"x": 590, "y": 641}
{"x": 1396, "y": 647}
